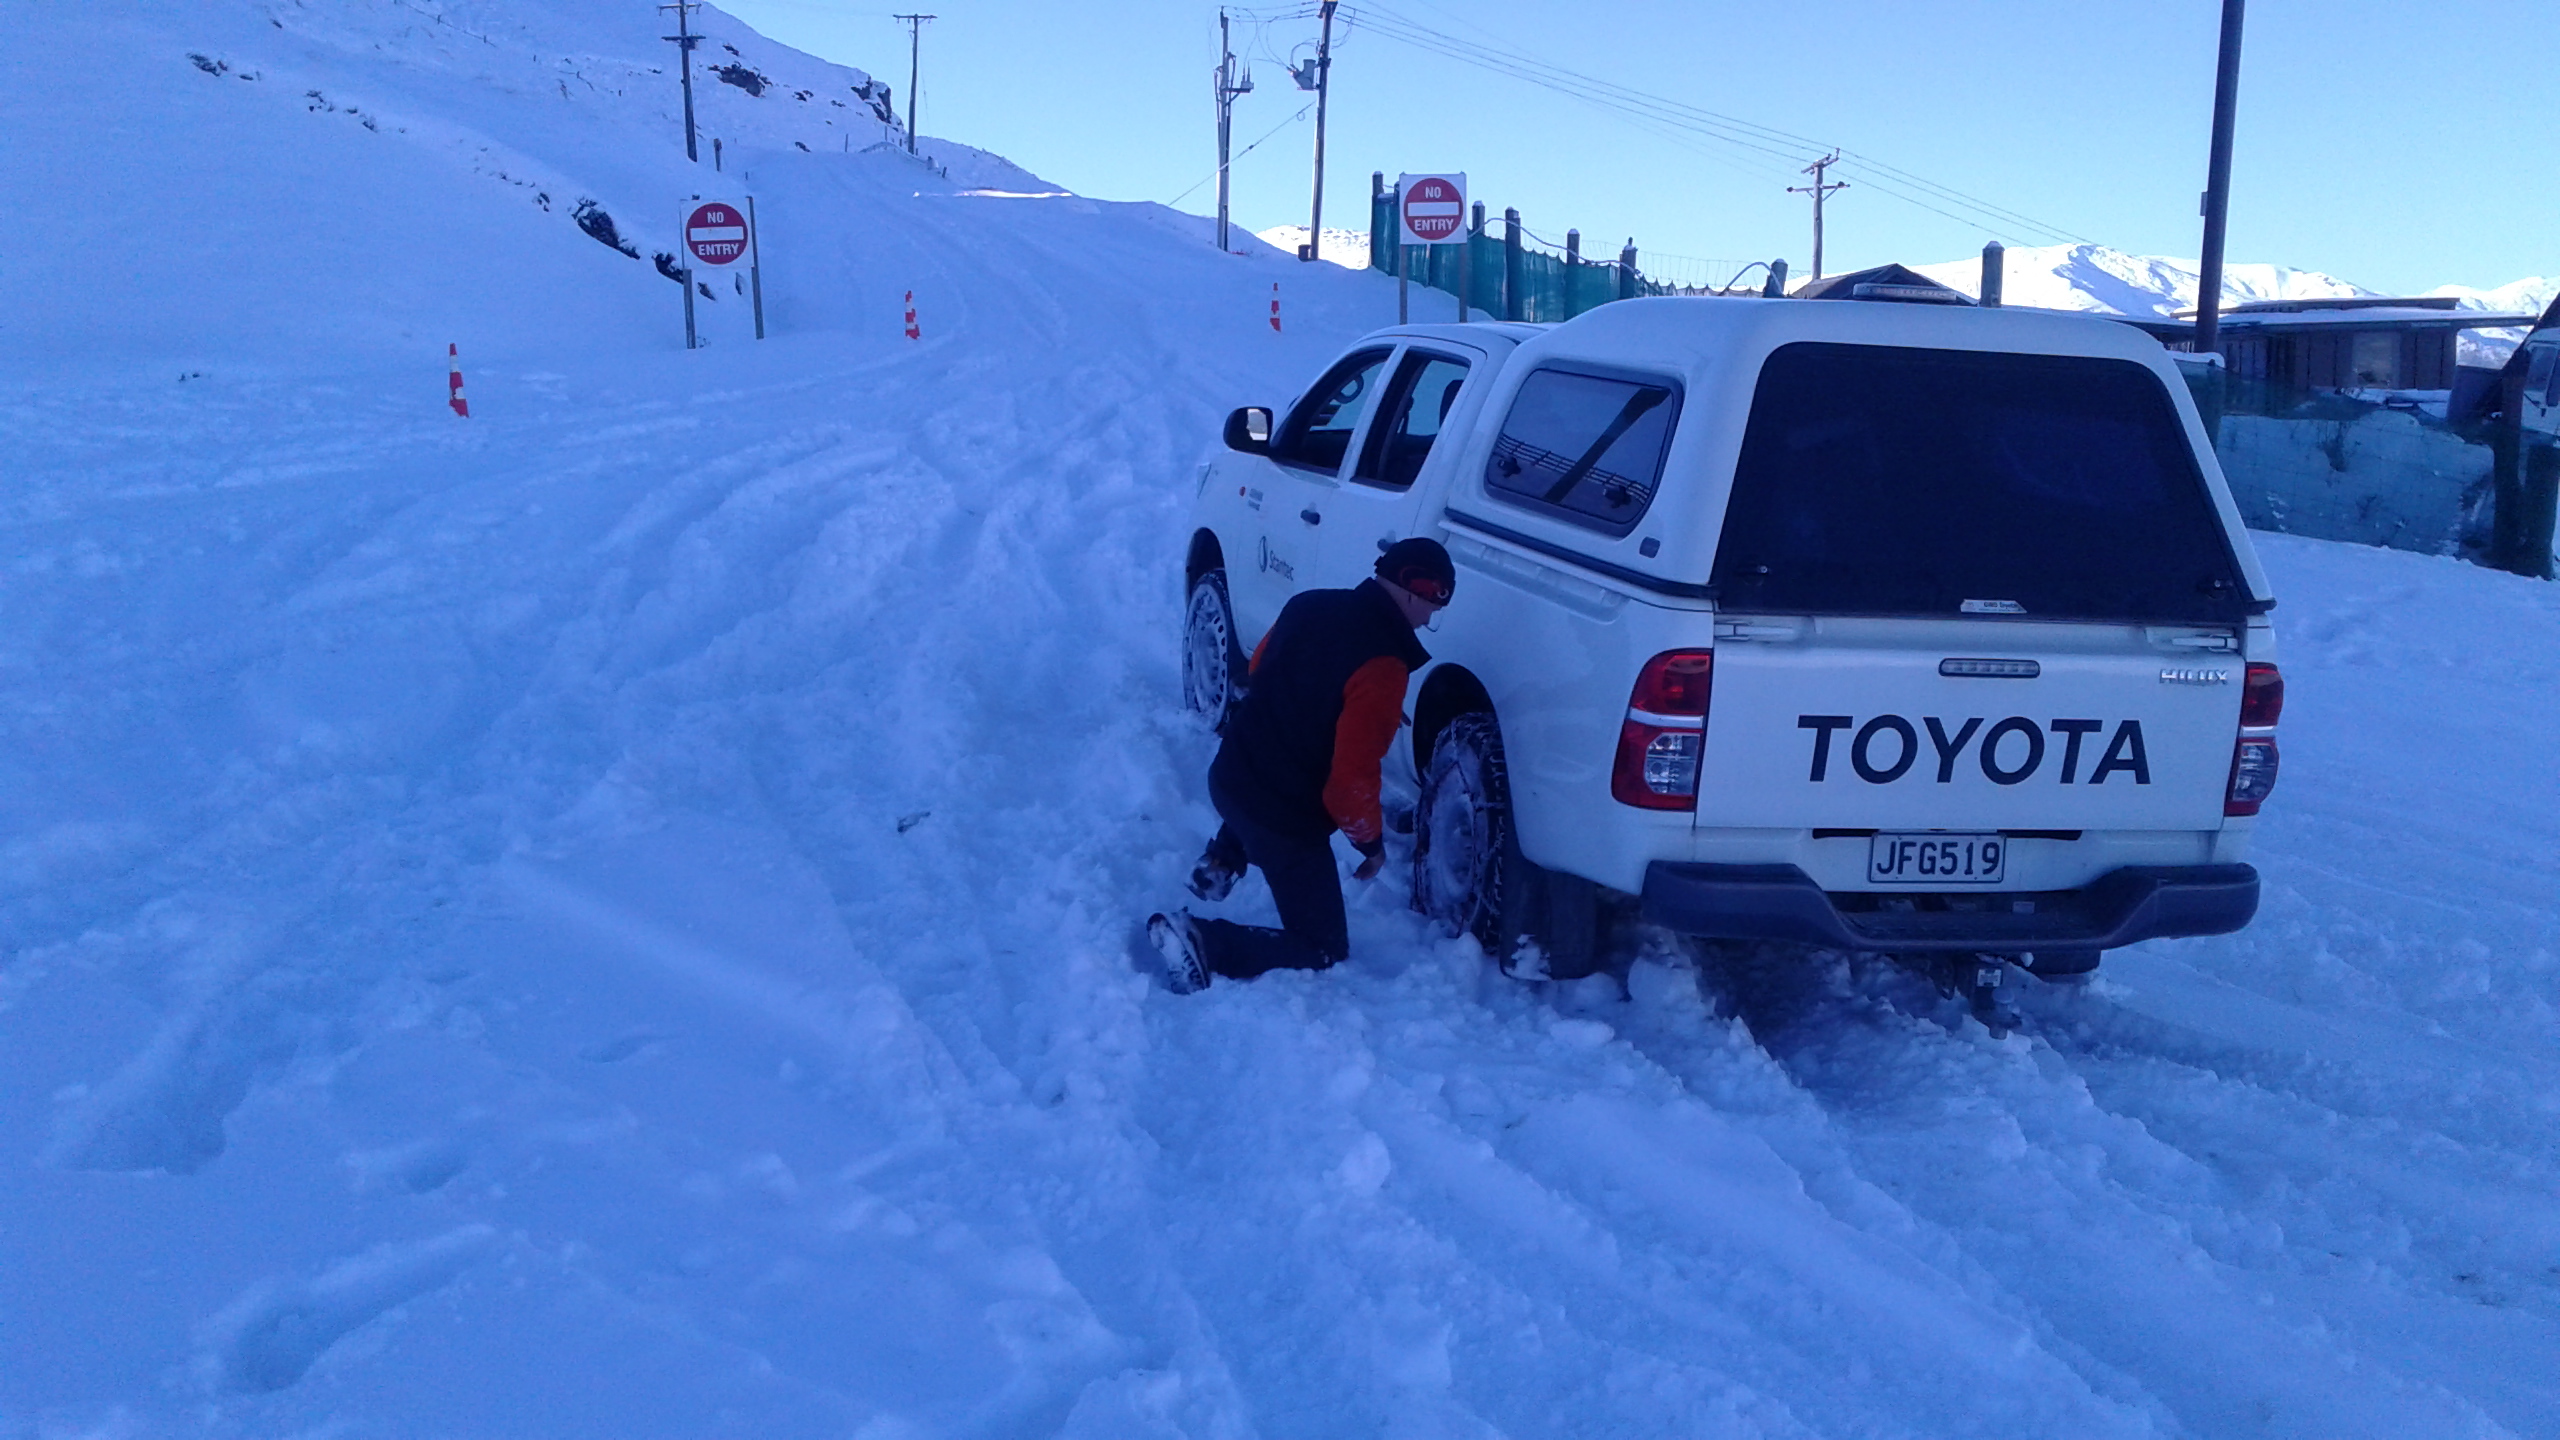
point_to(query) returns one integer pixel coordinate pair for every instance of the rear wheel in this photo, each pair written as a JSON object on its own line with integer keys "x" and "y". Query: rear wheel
{"x": 1212, "y": 663}
{"x": 1469, "y": 874}
{"x": 1461, "y": 829}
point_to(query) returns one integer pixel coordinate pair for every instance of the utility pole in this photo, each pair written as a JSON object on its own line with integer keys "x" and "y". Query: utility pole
{"x": 1324, "y": 80}
{"x": 2217, "y": 183}
{"x": 915, "y": 51}
{"x": 1228, "y": 90}
{"x": 685, "y": 40}
{"x": 1819, "y": 191}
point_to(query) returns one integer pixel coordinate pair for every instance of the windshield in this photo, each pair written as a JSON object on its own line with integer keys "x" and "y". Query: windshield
{"x": 1886, "y": 480}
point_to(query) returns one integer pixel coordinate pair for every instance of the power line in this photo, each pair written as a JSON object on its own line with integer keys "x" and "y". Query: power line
{"x": 1249, "y": 149}
{"x": 1725, "y": 129}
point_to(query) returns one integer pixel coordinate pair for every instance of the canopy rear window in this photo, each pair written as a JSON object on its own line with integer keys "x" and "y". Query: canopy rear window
{"x": 1886, "y": 480}
{"x": 1583, "y": 447}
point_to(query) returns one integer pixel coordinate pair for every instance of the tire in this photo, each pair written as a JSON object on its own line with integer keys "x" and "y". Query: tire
{"x": 1462, "y": 832}
{"x": 1212, "y": 662}
{"x": 1468, "y": 872}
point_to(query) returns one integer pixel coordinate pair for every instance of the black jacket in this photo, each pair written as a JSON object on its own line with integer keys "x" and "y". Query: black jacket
{"x": 1297, "y": 758}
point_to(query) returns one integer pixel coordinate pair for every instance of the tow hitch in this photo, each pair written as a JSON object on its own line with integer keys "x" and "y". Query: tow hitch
{"x": 1980, "y": 980}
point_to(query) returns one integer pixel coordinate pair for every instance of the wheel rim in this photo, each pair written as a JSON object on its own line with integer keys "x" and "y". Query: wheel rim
{"x": 1208, "y": 639}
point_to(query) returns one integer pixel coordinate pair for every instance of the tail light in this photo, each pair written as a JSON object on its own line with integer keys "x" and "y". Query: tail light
{"x": 1664, "y": 738}
{"x": 2253, "y": 754}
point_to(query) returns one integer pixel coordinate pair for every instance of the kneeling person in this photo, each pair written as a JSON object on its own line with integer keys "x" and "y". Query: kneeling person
{"x": 1300, "y": 761}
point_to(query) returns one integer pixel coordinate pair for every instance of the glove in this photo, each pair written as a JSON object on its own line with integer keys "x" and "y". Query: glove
{"x": 1373, "y": 858}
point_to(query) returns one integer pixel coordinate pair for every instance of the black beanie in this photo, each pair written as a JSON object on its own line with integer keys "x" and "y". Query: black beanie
{"x": 1416, "y": 556}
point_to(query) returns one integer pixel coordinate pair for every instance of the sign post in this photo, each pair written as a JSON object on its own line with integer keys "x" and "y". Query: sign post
{"x": 718, "y": 235}
{"x": 1431, "y": 210}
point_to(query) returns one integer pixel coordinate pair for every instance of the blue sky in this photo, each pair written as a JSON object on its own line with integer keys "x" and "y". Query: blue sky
{"x": 2399, "y": 146}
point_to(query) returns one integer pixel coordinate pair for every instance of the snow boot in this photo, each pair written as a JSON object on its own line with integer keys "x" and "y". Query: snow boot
{"x": 1178, "y": 941}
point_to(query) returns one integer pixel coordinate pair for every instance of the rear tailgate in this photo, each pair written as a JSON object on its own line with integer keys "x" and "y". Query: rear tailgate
{"x": 1972, "y": 590}
{"x": 1871, "y": 724}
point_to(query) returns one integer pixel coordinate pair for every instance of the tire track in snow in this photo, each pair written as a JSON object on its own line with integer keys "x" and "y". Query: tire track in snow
{"x": 2123, "y": 1247}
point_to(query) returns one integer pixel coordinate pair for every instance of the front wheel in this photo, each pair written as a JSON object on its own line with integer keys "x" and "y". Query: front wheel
{"x": 1212, "y": 662}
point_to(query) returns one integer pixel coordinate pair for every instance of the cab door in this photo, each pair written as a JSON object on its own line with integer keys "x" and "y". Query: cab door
{"x": 1289, "y": 490}
{"x": 1375, "y": 505}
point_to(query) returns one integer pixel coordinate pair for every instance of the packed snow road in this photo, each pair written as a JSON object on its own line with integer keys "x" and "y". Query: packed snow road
{"x": 613, "y": 917}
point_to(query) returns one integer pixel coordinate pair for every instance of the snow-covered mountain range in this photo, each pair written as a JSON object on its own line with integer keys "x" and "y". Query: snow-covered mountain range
{"x": 2095, "y": 277}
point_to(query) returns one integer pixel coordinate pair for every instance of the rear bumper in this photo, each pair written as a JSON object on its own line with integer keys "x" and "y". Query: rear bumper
{"x": 1781, "y": 902}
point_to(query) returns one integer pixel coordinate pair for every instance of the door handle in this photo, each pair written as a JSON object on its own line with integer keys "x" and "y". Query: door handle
{"x": 1311, "y": 517}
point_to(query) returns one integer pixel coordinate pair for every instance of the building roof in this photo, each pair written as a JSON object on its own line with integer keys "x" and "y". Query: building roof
{"x": 2304, "y": 322}
{"x": 1883, "y": 282}
{"x": 2356, "y": 312}
{"x": 2345, "y": 302}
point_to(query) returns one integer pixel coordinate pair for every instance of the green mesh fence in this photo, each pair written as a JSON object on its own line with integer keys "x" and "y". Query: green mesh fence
{"x": 1532, "y": 281}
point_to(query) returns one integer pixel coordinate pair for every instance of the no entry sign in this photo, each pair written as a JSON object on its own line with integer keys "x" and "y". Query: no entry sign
{"x": 719, "y": 239}
{"x": 1431, "y": 209}
{"x": 715, "y": 234}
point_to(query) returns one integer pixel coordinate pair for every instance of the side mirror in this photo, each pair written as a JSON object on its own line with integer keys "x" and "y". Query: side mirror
{"x": 1249, "y": 430}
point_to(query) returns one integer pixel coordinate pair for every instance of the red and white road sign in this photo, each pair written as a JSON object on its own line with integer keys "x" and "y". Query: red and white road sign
{"x": 1432, "y": 209}
{"x": 715, "y": 234}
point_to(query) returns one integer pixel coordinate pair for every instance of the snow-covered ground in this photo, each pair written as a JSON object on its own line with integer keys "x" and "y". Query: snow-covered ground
{"x": 612, "y": 917}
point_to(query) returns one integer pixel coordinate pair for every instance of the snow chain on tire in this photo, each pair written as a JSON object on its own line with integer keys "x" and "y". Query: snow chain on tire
{"x": 1468, "y": 871}
{"x": 1462, "y": 832}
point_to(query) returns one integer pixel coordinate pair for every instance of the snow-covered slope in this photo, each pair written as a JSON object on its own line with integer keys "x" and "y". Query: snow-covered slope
{"x": 1341, "y": 246}
{"x": 367, "y": 178}
{"x": 2529, "y": 296}
{"x": 611, "y": 917}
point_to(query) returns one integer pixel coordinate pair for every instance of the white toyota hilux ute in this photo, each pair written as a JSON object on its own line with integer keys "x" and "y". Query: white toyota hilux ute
{"x": 1917, "y": 629}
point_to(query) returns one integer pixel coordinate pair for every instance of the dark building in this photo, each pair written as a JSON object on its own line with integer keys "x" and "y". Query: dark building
{"x": 2355, "y": 342}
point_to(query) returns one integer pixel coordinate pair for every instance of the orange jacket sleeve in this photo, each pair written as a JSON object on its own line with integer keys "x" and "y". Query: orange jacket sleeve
{"x": 1372, "y": 708}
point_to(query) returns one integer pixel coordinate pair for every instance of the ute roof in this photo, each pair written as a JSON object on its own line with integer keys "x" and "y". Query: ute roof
{"x": 1715, "y": 348}
{"x": 1684, "y": 332}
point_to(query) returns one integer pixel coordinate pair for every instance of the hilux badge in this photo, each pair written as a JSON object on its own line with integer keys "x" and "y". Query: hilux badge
{"x": 2193, "y": 675}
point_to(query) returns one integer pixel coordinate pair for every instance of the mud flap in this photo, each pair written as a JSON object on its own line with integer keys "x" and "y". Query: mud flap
{"x": 1550, "y": 921}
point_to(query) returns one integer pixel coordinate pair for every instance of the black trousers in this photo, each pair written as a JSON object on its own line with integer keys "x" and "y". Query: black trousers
{"x": 1304, "y": 880}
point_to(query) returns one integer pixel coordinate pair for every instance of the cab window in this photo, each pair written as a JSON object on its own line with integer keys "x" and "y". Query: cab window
{"x": 1318, "y": 433}
{"x": 1587, "y": 448}
{"x": 1417, "y": 404}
